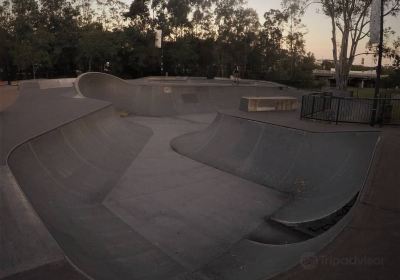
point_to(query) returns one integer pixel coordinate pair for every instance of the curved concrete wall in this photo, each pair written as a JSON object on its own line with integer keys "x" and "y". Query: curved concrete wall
{"x": 252, "y": 260}
{"x": 161, "y": 99}
{"x": 19, "y": 225}
{"x": 67, "y": 172}
{"x": 27, "y": 249}
{"x": 322, "y": 171}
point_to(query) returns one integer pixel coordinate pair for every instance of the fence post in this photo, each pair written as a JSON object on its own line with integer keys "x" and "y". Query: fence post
{"x": 383, "y": 112}
{"x": 302, "y": 107}
{"x": 338, "y": 110}
{"x": 313, "y": 106}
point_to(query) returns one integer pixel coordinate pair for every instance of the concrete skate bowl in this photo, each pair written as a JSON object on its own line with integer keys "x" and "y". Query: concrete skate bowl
{"x": 66, "y": 173}
{"x": 208, "y": 225}
{"x": 154, "y": 97}
{"x": 322, "y": 173}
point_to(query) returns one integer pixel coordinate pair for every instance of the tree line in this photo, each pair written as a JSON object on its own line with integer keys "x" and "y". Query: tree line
{"x": 61, "y": 38}
{"x": 58, "y": 38}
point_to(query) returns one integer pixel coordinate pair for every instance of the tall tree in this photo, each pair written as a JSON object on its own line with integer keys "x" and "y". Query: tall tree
{"x": 237, "y": 30}
{"x": 96, "y": 46}
{"x": 6, "y": 41}
{"x": 349, "y": 22}
{"x": 110, "y": 13}
{"x": 139, "y": 13}
{"x": 295, "y": 34}
{"x": 271, "y": 41}
{"x": 23, "y": 23}
{"x": 59, "y": 19}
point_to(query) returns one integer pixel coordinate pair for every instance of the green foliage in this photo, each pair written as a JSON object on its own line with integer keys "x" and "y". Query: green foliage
{"x": 200, "y": 38}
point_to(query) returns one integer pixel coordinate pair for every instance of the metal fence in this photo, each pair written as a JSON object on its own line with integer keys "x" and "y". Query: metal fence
{"x": 326, "y": 107}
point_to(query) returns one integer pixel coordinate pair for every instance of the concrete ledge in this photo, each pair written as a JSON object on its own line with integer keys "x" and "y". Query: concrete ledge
{"x": 266, "y": 104}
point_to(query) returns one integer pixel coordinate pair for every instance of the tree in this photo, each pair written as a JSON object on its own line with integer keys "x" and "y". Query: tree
{"x": 202, "y": 21}
{"x": 139, "y": 14}
{"x": 59, "y": 24}
{"x": 85, "y": 9}
{"x": 349, "y": 21}
{"x": 95, "y": 47}
{"x": 200, "y": 37}
{"x": 270, "y": 43}
{"x": 396, "y": 54}
{"x": 393, "y": 79}
{"x": 110, "y": 13}
{"x": 23, "y": 22}
{"x": 237, "y": 31}
{"x": 6, "y": 41}
{"x": 295, "y": 36}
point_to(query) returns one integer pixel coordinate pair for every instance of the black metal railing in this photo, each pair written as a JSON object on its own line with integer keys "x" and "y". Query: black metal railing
{"x": 326, "y": 107}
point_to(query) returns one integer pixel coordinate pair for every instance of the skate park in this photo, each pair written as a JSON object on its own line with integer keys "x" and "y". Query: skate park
{"x": 164, "y": 178}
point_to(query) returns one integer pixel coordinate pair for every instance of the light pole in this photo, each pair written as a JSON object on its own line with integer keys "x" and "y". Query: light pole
{"x": 162, "y": 62}
{"x": 379, "y": 67}
{"x": 158, "y": 44}
{"x": 35, "y": 67}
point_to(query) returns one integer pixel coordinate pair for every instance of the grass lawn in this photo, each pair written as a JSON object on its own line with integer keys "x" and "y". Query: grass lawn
{"x": 370, "y": 92}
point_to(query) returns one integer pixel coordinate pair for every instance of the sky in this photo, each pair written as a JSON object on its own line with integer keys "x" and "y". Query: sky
{"x": 318, "y": 37}
{"x": 318, "y": 26}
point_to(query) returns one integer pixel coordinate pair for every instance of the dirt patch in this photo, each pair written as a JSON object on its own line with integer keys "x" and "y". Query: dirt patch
{"x": 8, "y": 95}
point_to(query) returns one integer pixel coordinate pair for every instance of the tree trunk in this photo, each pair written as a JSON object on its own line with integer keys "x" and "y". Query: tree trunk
{"x": 342, "y": 82}
{"x": 334, "y": 44}
{"x": 8, "y": 72}
{"x": 342, "y": 66}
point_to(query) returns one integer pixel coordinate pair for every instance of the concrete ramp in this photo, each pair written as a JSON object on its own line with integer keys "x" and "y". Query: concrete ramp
{"x": 152, "y": 98}
{"x": 19, "y": 224}
{"x": 368, "y": 247}
{"x": 321, "y": 171}
{"x": 67, "y": 172}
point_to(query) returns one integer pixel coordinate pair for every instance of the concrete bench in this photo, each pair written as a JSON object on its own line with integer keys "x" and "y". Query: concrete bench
{"x": 265, "y": 104}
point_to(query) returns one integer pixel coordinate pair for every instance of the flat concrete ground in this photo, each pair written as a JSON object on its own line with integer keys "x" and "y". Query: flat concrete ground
{"x": 191, "y": 211}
